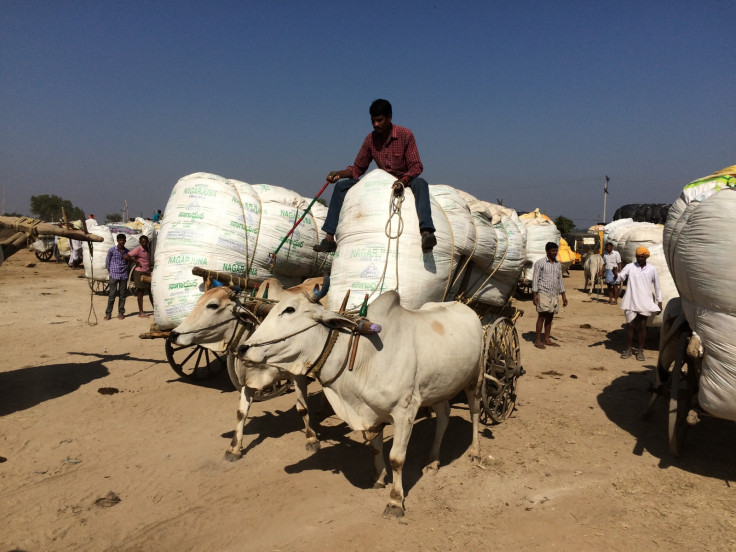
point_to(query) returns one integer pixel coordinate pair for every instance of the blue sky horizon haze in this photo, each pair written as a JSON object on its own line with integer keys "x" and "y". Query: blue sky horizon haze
{"x": 529, "y": 102}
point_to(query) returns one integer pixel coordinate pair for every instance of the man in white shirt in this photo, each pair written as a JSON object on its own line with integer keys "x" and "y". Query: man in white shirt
{"x": 638, "y": 303}
{"x": 611, "y": 268}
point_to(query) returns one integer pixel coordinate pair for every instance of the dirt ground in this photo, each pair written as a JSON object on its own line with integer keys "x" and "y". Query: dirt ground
{"x": 574, "y": 468}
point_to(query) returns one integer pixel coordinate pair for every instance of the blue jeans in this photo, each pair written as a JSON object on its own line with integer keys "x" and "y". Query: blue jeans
{"x": 117, "y": 287}
{"x": 418, "y": 186}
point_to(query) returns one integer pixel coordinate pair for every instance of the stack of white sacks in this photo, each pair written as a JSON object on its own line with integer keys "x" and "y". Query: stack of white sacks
{"x": 468, "y": 231}
{"x": 231, "y": 226}
{"x": 626, "y": 236}
{"x": 539, "y": 231}
{"x": 94, "y": 265}
{"x": 699, "y": 244}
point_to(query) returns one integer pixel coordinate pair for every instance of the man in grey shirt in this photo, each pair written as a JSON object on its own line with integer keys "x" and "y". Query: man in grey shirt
{"x": 547, "y": 285}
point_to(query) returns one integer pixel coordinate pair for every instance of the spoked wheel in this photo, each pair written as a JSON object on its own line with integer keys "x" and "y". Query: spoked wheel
{"x": 99, "y": 287}
{"x": 502, "y": 368}
{"x": 194, "y": 362}
{"x": 45, "y": 255}
{"x": 270, "y": 392}
{"x": 683, "y": 388}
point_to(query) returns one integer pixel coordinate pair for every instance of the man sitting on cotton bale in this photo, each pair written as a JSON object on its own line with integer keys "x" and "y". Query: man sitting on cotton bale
{"x": 394, "y": 150}
{"x": 638, "y": 303}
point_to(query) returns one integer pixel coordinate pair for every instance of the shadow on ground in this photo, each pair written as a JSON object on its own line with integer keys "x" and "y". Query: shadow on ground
{"x": 709, "y": 447}
{"x": 32, "y": 385}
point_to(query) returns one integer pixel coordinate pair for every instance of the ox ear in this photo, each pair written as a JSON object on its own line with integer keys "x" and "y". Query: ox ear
{"x": 334, "y": 320}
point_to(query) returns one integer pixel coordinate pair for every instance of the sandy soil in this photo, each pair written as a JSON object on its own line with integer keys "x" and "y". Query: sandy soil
{"x": 574, "y": 468}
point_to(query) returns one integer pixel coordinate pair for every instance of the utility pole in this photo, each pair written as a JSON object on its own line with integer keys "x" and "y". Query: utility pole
{"x": 605, "y": 193}
{"x": 125, "y": 211}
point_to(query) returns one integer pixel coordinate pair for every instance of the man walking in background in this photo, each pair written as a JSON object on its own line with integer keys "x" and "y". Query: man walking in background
{"x": 638, "y": 303}
{"x": 547, "y": 285}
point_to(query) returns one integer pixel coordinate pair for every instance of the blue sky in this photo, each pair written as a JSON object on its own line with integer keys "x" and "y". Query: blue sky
{"x": 530, "y": 102}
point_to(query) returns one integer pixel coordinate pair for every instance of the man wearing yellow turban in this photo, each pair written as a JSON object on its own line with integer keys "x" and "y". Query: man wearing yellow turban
{"x": 638, "y": 303}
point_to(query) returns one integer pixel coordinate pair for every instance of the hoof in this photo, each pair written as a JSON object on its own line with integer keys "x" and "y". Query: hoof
{"x": 432, "y": 468}
{"x": 393, "y": 511}
{"x": 379, "y": 485}
{"x": 313, "y": 447}
{"x": 232, "y": 457}
{"x": 475, "y": 459}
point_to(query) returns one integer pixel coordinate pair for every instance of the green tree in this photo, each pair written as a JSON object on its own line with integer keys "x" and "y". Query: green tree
{"x": 16, "y": 215}
{"x": 48, "y": 207}
{"x": 113, "y": 217}
{"x": 564, "y": 225}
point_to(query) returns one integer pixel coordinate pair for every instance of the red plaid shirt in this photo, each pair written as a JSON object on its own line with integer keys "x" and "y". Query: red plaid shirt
{"x": 397, "y": 155}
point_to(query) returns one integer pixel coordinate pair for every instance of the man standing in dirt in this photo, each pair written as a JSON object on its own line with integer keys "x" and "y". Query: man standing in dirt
{"x": 394, "y": 150}
{"x": 547, "y": 285}
{"x": 611, "y": 268}
{"x": 117, "y": 267}
{"x": 638, "y": 303}
{"x": 141, "y": 256}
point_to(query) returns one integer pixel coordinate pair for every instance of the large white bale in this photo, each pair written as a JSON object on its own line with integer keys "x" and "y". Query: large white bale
{"x": 230, "y": 226}
{"x": 539, "y": 231}
{"x": 366, "y": 261}
{"x": 495, "y": 284}
{"x": 699, "y": 241}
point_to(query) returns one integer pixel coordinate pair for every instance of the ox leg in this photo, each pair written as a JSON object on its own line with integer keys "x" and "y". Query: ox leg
{"x": 236, "y": 445}
{"x": 403, "y": 425}
{"x": 300, "y": 388}
{"x": 442, "y": 411}
{"x": 474, "y": 399}
{"x": 375, "y": 443}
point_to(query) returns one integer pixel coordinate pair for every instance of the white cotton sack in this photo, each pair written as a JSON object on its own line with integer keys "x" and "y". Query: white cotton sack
{"x": 699, "y": 249}
{"x": 366, "y": 261}
{"x": 539, "y": 231}
{"x": 496, "y": 284}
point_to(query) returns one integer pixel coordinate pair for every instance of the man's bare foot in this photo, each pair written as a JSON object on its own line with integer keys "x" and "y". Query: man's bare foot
{"x": 121, "y": 316}
{"x": 107, "y": 317}
{"x": 539, "y": 345}
{"x": 142, "y": 315}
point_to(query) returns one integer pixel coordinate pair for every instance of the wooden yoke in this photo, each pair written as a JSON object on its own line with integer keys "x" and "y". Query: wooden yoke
{"x": 226, "y": 278}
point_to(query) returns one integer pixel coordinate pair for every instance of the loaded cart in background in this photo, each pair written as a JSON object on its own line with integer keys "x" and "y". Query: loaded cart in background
{"x": 17, "y": 233}
{"x": 698, "y": 336}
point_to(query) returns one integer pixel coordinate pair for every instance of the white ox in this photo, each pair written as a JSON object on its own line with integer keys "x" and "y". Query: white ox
{"x": 212, "y": 320}
{"x": 593, "y": 267}
{"x": 420, "y": 358}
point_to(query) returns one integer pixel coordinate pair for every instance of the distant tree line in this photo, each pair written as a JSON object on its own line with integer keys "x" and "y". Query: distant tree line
{"x": 48, "y": 207}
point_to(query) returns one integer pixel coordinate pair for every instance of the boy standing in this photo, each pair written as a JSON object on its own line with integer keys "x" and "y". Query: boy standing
{"x": 141, "y": 256}
{"x": 611, "y": 268}
{"x": 547, "y": 285}
{"x": 117, "y": 267}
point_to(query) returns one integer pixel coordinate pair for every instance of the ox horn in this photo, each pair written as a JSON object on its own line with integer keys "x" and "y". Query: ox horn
{"x": 317, "y": 296}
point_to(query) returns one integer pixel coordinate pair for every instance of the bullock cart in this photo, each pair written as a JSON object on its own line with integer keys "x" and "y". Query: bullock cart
{"x": 17, "y": 233}
{"x": 501, "y": 360}
{"x": 196, "y": 362}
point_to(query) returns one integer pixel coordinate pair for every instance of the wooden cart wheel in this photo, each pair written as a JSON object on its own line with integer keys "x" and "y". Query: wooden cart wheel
{"x": 502, "y": 367}
{"x": 683, "y": 387}
{"x": 278, "y": 388}
{"x": 194, "y": 362}
{"x": 45, "y": 255}
{"x": 99, "y": 287}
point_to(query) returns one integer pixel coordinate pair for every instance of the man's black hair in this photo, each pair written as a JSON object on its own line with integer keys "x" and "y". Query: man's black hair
{"x": 120, "y": 236}
{"x": 609, "y": 243}
{"x": 551, "y": 245}
{"x": 380, "y": 107}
